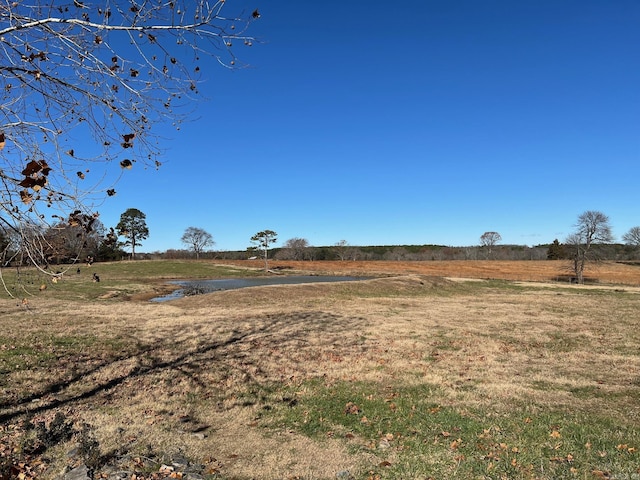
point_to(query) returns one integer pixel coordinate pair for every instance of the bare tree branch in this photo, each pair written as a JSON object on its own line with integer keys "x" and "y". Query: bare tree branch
{"x": 83, "y": 86}
{"x": 592, "y": 228}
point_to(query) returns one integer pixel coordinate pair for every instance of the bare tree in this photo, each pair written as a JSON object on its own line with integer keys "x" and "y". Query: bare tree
{"x": 632, "y": 237}
{"x": 342, "y": 249}
{"x": 67, "y": 244}
{"x": 262, "y": 240}
{"x": 592, "y": 228}
{"x": 198, "y": 239}
{"x": 103, "y": 72}
{"x": 297, "y": 248}
{"x": 36, "y": 243}
{"x": 488, "y": 240}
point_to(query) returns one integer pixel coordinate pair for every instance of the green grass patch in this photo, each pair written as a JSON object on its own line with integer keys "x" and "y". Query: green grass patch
{"x": 117, "y": 279}
{"x": 168, "y": 269}
{"x": 413, "y": 434}
{"x": 42, "y": 350}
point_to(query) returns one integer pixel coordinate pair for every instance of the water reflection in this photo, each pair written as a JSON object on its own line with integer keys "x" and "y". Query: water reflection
{"x": 208, "y": 286}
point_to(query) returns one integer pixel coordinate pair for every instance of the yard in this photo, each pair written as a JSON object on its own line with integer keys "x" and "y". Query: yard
{"x": 468, "y": 372}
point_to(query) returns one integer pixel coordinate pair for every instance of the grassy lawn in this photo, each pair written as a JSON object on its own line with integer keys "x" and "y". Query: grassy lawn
{"x": 413, "y": 435}
{"x": 399, "y": 377}
{"x": 117, "y": 279}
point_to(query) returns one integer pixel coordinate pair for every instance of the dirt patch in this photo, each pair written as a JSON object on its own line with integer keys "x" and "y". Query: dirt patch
{"x": 159, "y": 289}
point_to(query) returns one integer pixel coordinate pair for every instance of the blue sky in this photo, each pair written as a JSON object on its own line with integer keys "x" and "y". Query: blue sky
{"x": 415, "y": 122}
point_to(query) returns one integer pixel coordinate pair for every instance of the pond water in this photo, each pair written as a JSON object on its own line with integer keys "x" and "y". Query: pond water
{"x": 208, "y": 286}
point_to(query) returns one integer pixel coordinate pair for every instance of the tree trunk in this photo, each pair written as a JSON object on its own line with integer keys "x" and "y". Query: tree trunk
{"x": 578, "y": 268}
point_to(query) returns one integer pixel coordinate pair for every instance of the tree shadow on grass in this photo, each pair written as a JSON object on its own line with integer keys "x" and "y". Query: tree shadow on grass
{"x": 250, "y": 356}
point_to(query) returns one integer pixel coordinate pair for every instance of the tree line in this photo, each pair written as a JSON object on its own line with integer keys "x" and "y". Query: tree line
{"x": 68, "y": 242}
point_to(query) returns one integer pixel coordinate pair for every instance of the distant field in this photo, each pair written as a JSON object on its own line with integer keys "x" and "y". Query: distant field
{"x": 408, "y": 376}
{"x": 539, "y": 271}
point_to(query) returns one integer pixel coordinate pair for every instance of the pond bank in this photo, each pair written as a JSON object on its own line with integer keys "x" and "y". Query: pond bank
{"x": 195, "y": 287}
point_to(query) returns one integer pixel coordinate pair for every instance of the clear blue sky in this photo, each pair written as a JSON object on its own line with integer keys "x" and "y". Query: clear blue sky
{"x": 414, "y": 122}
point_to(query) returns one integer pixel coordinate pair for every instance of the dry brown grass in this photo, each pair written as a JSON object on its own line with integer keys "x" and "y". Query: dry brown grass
{"x": 540, "y": 271}
{"x": 163, "y": 374}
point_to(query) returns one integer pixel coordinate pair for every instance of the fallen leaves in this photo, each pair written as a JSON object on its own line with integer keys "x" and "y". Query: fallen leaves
{"x": 601, "y": 474}
{"x": 351, "y": 409}
{"x": 623, "y": 447}
{"x": 168, "y": 471}
{"x": 455, "y": 444}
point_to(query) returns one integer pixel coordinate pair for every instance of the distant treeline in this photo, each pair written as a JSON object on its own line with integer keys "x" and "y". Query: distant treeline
{"x": 553, "y": 251}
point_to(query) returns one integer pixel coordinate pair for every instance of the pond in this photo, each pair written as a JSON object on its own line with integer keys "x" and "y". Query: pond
{"x": 191, "y": 287}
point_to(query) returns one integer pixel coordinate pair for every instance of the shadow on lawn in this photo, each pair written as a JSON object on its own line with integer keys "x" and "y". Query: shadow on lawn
{"x": 195, "y": 356}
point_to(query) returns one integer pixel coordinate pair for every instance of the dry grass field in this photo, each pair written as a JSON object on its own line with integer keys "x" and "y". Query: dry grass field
{"x": 412, "y": 375}
{"x": 537, "y": 271}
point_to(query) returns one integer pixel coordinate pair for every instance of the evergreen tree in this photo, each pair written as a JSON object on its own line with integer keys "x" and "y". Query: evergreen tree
{"x": 556, "y": 251}
{"x": 133, "y": 227}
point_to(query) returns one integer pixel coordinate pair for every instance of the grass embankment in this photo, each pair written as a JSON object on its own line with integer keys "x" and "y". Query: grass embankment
{"x": 400, "y": 377}
{"x": 139, "y": 280}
